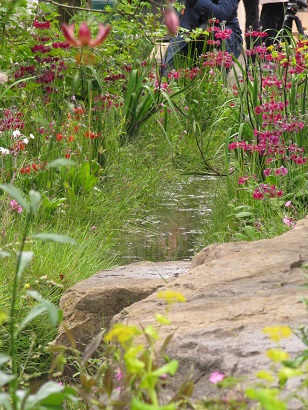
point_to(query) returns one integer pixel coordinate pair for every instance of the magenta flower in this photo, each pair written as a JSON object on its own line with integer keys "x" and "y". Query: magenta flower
{"x": 84, "y": 35}
{"x": 15, "y": 206}
{"x": 216, "y": 377}
{"x": 119, "y": 375}
{"x": 171, "y": 20}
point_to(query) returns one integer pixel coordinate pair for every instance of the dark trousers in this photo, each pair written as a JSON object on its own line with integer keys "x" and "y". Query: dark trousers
{"x": 252, "y": 19}
{"x": 271, "y": 20}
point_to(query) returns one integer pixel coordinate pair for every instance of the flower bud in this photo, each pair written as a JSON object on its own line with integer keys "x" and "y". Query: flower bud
{"x": 171, "y": 20}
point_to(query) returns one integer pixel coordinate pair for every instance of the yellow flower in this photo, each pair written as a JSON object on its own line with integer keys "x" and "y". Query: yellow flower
{"x": 277, "y": 355}
{"x": 263, "y": 374}
{"x": 122, "y": 333}
{"x": 276, "y": 333}
{"x": 162, "y": 320}
{"x": 171, "y": 297}
{"x": 27, "y": 286}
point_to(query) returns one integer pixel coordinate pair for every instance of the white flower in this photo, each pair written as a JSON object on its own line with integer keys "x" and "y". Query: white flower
{"x": 26, "y": 140}
{"x": 32, "y": 136}
{"x": 16, "y": 133}
{"x": 3, "y": 78}
{"x": 4, "y": 151}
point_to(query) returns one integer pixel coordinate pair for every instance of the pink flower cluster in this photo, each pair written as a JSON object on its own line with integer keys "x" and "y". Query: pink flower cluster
{"x": 217, "y": 59}
{"x": 49, "y": 66}
{"x": 278, "y": 171}
{"x": 11, "y": 120}
{"x": 271, "y": 106}
{"x": 266, "y": 190}
{"x": 15, "y": 207}
{"x": 256, "y": 33}
{"x": 223, "y": 34}
{"x": 41, "y": 24}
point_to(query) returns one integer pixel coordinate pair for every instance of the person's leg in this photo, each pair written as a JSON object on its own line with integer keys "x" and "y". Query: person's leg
{"x": 271, "y": 20}
{"x": 177, "y": 47}
{"x": 251, "y": 23}
{"x": 234, "y": 45}
{"x": 252, "y": 14}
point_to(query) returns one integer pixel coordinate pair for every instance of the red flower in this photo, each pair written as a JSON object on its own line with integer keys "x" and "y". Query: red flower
{"x": 84, "y": 35}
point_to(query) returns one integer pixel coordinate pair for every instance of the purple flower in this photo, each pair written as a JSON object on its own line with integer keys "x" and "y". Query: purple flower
{"x": 216, "y": 377}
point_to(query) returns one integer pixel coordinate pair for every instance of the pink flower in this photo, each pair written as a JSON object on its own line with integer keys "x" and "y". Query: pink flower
{"x": 242, "y": 180}
{"x": 171, "y": 20}
{"x": 84, "y": 35}
{"x": 258, "y": 194}
{"x": 15, "y": 206}
{"x": 216, "y": 377}
{"x": 287, "y": 204}
{"x": 288, "y": 221}
{"x": 119, "y": 375}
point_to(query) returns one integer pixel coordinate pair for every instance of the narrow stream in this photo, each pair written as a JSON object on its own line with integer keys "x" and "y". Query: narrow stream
{"x": 173, "y": 231}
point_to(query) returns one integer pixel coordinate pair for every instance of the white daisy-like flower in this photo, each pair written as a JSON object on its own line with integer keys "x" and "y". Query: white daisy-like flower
{"x": 16, "y": 133}
{"x": 3, "y": 78}
{"x": 4, "y": 151}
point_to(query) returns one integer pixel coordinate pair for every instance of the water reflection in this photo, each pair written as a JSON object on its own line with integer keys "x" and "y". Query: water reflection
{"x": 173, "y": 232}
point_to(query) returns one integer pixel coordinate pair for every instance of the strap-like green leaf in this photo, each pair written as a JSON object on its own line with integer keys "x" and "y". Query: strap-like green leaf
{"x": 53, "y": 237}
{"x": 24, "y": 258}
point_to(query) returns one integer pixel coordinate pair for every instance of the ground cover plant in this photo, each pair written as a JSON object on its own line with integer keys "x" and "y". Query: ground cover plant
{"x": 92, "y": 137}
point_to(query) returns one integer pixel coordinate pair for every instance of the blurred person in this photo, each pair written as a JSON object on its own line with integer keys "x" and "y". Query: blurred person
{"x": 198, "y": 13}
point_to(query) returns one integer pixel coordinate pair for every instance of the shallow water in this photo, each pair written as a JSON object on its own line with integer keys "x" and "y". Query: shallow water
{"x": 173, "y": 232}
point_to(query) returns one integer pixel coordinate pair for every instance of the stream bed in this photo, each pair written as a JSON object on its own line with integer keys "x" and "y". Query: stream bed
{"x": 173, "y": 232}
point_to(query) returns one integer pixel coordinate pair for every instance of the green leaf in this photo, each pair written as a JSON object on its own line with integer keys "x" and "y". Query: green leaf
{"x": 60, "y": 162}
{"x": 140, "y": 405}
{"x": 49, "y": 390}
{"x": 4, "y": 254}
{"x": 36, "y": 311}
{"x": 3, "y": 316}
{"x": 35, "y": 199}
{"x": 91, "y": 347}
{"x": 53, "y": 237}
{"x": 54, "y": 314}
{"x": 16, "y": 194}
{"x": 241, "y": 215}
{"x": 4, "y": 358}
{"x": 267, "y": 398}
{"x": 169, "y": 368}
{"x": 5, "y": 400}
{"x": 24, "y": 258}
{"x": 5, "y": 378}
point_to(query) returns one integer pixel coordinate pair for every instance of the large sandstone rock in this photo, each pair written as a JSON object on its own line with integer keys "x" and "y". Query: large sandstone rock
{"x": 90, "y": 305}
{"x": 233, "y": 290}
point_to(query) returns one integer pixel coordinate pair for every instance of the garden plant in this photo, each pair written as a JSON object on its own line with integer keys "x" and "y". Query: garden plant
{"x": 92, "y": 139}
